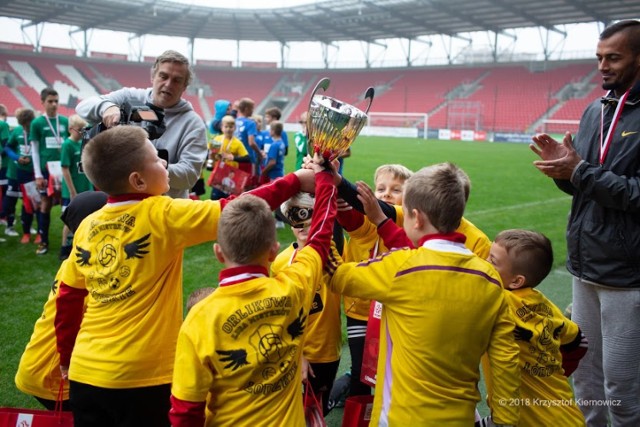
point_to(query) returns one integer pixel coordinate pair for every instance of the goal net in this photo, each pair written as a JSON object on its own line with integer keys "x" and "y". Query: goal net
{"x": 397, "y": 124}
{"x": 558, "y": 126}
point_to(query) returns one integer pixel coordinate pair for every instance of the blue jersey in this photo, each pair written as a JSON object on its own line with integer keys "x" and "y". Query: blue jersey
{"x": 244, "y": 128}
{"x": 263, "y": 139}
{"x": 276, "y": 152}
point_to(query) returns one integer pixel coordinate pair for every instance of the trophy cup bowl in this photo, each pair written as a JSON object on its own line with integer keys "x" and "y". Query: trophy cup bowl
{"x": 333, "y": 125}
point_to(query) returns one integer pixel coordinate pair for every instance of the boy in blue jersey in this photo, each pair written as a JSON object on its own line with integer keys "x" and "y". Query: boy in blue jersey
{"x": 274, "y": 167}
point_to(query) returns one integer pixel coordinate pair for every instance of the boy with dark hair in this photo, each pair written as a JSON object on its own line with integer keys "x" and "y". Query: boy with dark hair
{"x": 274, "y": 167}
{"x": 274, "y": 114}
{"x": 239, "y": 351}
{"x": 246, "y": 132}
{"x": 443, "y": 308}
{"x": 47, "y": 134}
{"x": 20, "y": 172}
{"x": 550, "y": 344}
{"x": 128, "y": 258}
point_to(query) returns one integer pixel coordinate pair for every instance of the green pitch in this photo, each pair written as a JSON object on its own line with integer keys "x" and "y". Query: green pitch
{"x": 506, "y": 192}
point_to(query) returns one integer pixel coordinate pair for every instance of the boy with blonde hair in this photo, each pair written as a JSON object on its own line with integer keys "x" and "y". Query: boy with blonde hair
{"x": 550, "y": 344}
{"x": 119, "y": 353}
{"x": 231, "y": 151}
{"x": 239, "y": 350}
{"x": 363, "y": 243}
{"x": 443, "y": 307}
{"x": 73, "y": 181}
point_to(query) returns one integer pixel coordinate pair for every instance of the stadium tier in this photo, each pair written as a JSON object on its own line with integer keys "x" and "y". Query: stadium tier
{"x": 502, "y": 97}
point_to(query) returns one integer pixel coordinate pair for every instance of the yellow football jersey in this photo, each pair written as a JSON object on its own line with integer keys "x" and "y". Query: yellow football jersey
{"x": 128, "y": 256}
{"x": 239, "y": 349}
{"x": 443, "y": 307}
{"x": 546, "y": 398}
{"x": 39, "y": 369}
{"x": 323, "y": 336}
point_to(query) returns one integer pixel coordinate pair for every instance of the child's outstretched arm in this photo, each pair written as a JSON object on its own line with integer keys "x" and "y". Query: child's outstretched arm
{"x": 281, "y": 189}
{"x": 391, "y": 234}
{"x": 324, "y": 212}
{"x": 349, "y": 193}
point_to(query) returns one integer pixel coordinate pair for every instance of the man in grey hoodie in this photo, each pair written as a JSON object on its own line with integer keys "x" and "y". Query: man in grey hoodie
{"x": 185, "y": 135}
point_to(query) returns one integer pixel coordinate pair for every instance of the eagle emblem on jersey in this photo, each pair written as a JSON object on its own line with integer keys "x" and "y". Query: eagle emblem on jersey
{"x": 296, "y": 328}
{"x": 54, "y": 287}
{"x": 234, "y": 359}
{"x": 136, "y": 248}
{"x": 82, "y": 257}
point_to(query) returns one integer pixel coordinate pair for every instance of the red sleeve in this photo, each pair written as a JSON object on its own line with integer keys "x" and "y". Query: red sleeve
{"x": 186, "y": 414}
{"x": 393, "y": 235}
{"x": 573, "y": 352}
{"x": 350, "y": 219}
{"x": 69, "y": 311}
{"x": 324, "y": 214}
{"x": 274, "y": 193}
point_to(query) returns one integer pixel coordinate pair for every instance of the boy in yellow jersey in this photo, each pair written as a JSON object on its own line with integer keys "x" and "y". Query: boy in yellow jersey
{"x": 363, "y": 231}
{"x": 231, "y": 151}
{"x": 39, "y": 369}
{"x": 128, "y": 258}
{"x": 323, "y": 337}
{"x": 443, "y": 308}
{"x": 547, "y": 339}
{"x": 239, "y": 349}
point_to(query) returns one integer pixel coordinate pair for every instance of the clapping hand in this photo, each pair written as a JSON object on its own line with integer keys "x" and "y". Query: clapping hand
{"x": 558, "y": 160}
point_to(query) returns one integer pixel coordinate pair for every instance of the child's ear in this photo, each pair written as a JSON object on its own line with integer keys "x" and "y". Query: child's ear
{"x": 217, "y": 250}
{"x": 273, "y": 252}
{"x": 137, "y": 182}
{"x": 518, "y": 282}
{"x": 420, "y": 219}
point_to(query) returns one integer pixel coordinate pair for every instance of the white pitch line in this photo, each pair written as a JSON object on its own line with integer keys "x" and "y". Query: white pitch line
{"x": 518, "y": 206}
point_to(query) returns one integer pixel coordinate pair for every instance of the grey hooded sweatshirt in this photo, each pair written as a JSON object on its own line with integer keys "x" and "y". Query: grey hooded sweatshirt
{"x": 185, "y": 137}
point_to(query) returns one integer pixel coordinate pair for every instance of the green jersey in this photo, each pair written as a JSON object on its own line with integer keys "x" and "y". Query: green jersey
{"x": 69, "y": 158}
{"x": 49, "y": 133}
{"x": 19, "y": 144}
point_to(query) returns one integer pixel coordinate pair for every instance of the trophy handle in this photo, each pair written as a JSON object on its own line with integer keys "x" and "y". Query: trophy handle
{"x": 369, "y": 95}
{"x": 324, "y": 84}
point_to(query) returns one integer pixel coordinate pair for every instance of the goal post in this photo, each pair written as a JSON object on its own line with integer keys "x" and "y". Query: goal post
{"x": 558, "y": 126}
{"x": 397, "y": 124}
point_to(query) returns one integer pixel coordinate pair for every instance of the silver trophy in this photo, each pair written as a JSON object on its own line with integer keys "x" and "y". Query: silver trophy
{"x": 333, "y": 125}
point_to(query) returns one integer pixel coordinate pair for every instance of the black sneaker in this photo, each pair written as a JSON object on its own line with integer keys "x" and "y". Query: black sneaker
{"x": 65, "y": 251}
{"x": 43, "y": 248}
{"x": 339, "y": 392}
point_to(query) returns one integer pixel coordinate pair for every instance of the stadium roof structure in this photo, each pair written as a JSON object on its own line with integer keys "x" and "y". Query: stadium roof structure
{"x": 324, "y": 21}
